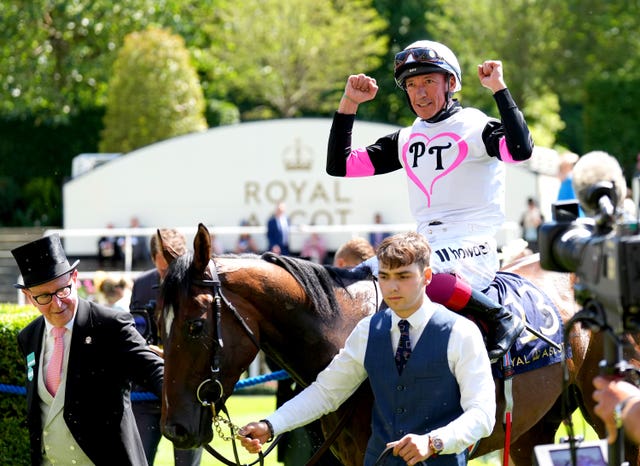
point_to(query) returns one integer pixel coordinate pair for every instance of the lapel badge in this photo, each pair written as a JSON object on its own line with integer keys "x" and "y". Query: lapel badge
{"x": 88, "y": 340}
{"x": 31, "y": 363}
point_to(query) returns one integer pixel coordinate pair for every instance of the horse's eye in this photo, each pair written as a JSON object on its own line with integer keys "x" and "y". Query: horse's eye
{"x": 195, "y": 328}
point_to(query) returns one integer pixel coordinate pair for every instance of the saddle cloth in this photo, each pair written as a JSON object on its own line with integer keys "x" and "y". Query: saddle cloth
{"x": 521, "y": 297}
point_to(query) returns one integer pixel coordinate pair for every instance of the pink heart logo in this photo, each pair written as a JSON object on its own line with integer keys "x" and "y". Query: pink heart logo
{"x": 419, "y": 145}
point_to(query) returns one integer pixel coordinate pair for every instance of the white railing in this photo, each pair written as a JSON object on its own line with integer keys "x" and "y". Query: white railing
{"x": 224, "y": 231}
{"x": 509, "y": 232}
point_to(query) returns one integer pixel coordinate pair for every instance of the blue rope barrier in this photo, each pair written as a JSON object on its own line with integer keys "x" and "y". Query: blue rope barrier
{"x": 147, "y": 396}
{"x": 13, "y": 389}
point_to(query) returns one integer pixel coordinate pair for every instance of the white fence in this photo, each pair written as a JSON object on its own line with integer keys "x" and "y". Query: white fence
{"x": 510, "y": 231}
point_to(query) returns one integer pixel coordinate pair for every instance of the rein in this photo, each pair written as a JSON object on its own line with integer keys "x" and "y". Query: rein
{"x": 218, "y": 298}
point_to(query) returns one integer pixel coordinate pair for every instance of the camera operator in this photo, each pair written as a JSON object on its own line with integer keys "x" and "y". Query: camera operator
{"x": 144, "y": 296}
{"x": 618, "y": 406}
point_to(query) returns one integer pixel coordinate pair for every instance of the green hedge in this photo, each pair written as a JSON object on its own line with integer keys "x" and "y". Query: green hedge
{"x": 14, "y": 436}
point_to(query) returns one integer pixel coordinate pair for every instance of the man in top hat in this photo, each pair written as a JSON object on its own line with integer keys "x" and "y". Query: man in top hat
{"x": 81, "y": 358}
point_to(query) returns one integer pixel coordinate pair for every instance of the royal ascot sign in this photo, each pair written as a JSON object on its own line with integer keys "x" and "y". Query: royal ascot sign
{"x": 233, "y": 173}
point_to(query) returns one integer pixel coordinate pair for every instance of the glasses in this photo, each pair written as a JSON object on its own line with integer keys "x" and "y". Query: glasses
{"x": 420, "y": 55}
{"x": 60, "y": 293}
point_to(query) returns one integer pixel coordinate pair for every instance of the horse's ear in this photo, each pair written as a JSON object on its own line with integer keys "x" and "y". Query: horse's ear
{"x": 201, "y": 249}
{"x": 164, "y": 247}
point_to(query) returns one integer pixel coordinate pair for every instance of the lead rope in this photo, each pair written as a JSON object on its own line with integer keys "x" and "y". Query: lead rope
{"x": 233, "y": 429}
{"x": 383, "y": 456}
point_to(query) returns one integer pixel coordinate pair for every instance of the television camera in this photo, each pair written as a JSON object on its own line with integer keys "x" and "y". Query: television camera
{"x": 604, "y": 253}
{"x": 145, "y": 322}
{"x": 603, "y": 250}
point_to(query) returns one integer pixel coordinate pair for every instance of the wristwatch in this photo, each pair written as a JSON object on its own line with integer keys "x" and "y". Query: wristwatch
{"x": 436, "y": 444}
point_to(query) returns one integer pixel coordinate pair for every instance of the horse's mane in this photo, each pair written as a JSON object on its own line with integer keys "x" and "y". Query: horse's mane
{"x": 318, "y": 281}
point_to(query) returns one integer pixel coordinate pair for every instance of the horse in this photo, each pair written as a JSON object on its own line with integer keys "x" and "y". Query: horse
{"x": 216, "y": 313}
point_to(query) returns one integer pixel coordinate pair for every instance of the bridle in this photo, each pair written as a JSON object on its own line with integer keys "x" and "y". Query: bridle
{"x": 216, "y": 315}
{"x": 203, "y": 393}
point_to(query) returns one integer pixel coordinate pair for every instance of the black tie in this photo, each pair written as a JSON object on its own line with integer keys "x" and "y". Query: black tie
{"x": 404, "y": 345}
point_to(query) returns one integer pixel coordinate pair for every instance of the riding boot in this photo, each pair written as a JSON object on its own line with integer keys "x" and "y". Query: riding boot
{"x": 504, "y": 326}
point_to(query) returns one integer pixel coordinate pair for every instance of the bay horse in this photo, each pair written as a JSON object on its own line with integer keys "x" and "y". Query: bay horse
{"x": 217, "y": 313}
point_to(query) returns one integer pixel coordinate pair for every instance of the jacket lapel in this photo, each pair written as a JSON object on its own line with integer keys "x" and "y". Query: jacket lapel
{"x": 34, "y": 359}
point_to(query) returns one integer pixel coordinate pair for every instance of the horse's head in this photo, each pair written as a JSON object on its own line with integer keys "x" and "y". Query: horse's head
{"x": 200, "y": 372}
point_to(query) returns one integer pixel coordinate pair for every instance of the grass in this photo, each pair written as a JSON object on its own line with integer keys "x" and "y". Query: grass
{"x": 242, "y": 409}
{"x": 246, "y": 408}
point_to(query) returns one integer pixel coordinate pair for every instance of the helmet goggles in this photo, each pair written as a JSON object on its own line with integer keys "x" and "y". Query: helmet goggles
{"x": 420, "y": 55}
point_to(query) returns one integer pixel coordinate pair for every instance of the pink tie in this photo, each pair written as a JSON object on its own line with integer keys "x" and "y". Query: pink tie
{"x": 55, "y": 363}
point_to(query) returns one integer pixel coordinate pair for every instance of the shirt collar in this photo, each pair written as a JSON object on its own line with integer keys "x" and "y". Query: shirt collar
{"x": 417, "y": 319}
{"x": 68, "y": 325}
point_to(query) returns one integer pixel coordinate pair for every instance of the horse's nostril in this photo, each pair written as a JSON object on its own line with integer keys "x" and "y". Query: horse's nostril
{"x": 175, "y": 432}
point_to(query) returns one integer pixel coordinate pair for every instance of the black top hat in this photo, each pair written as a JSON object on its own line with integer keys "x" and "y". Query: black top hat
{"x": 41, "y": 261}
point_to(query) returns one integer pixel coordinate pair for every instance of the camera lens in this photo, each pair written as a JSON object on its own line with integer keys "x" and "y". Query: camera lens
{"x": 141, "y": 325}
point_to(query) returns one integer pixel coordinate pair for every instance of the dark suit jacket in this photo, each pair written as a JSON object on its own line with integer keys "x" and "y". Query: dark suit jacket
{"x": 143, "y": 289}
{"x": 106, "y": 354}
{"x": 276, "y": 236}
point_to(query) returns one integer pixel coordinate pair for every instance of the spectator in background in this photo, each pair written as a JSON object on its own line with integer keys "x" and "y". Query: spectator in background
{"x": 278, "y": 231}
{"x": 143, "y": 299}
{"x": 109, "y": 250}
{"x": 565, "y": 173}
{"x": 353, "y": 252}
{"x": 376, "y": 237}
{"x": 139, "y": 249}
{"x": 116, "y": 292}
{"x": 216, "y": 245}
{"x": 530, "y": 222}
{"x": 245, "y": 243}
{"x": 314, "y": 248}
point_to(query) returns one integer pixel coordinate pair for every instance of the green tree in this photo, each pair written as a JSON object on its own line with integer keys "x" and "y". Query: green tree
{"x": 282, "y": 58}
{"x": 405, "y": 25}
{"x": 550, "y": 49}
{"x": 44, "y": 202}
{"x": 519, "y": 33}
{"x": 56, "y": 56}
{"x": 154, "y": 93}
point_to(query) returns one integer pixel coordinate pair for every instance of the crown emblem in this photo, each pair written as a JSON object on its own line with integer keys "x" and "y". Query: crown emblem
{"x": 298, "y": 156}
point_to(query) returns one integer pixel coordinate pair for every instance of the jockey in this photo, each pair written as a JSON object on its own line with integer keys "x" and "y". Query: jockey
{"x": 454, "y": 161}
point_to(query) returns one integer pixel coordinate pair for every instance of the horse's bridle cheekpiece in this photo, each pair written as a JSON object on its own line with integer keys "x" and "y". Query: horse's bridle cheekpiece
{"x": 204, "y": 391}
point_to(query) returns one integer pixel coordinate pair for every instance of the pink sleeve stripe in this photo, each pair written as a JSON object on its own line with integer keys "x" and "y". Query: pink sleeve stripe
{"x": 359, "y": 164}
{"x": 505, "y": 155}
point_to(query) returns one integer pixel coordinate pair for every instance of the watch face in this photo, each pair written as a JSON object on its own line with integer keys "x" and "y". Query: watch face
{"x": 437, "y": 444}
